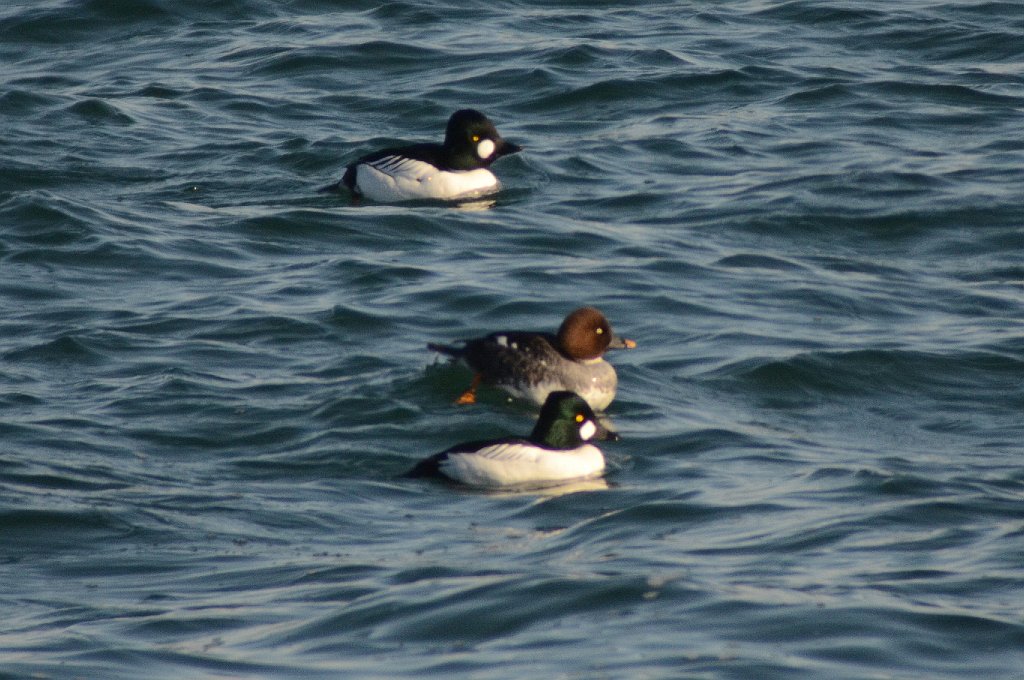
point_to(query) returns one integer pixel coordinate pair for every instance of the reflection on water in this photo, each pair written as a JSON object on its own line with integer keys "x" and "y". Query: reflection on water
{"x": 596, "y": 484}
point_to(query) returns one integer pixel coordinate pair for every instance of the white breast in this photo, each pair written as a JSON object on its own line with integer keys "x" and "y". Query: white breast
{"x": 394, "y": 178}
{"x": 522, "y": 465}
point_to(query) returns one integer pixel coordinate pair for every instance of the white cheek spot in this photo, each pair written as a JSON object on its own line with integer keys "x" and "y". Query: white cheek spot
{"x": 587, "y": 430}
{"x": 502, "y": 340}
{"x": 485, "y": 148}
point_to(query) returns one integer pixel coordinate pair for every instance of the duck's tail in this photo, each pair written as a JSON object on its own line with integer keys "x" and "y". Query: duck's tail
{"x": 428, "y": 467}
{"x": 346, "y": 183}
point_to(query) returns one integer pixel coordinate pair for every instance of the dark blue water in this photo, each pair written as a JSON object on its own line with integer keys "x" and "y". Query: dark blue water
{"x": 810, "y": 215}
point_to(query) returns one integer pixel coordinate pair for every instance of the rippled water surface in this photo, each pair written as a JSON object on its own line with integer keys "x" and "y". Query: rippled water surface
{"x": 809, "y": 214}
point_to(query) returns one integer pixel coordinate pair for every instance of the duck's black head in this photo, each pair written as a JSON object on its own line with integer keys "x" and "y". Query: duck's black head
{"x": 566, "y": 421}
{"x": 472, "y": 141}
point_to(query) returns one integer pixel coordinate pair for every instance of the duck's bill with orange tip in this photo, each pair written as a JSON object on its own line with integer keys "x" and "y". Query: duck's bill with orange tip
{"x": 622, "y": 343}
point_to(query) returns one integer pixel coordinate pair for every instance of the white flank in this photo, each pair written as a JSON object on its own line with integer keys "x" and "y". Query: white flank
{"x": 523, "y": 465}
{"x": 394, "y": 178}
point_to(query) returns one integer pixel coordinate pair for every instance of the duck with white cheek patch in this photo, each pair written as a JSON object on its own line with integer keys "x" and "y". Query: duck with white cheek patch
{"x": 458, "y": 169}
{"x": 557, "y": 452}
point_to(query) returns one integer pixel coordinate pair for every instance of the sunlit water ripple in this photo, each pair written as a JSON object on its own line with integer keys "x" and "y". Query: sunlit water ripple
{"x": 808, "y": 214}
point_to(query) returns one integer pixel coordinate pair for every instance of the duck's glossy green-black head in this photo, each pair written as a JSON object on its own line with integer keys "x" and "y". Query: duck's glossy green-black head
{"x": 566, "y": 421}
{"x": 473, "y": 140}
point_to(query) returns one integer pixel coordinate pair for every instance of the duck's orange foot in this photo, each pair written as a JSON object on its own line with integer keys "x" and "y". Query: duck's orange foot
{"x": 467, "y": 397}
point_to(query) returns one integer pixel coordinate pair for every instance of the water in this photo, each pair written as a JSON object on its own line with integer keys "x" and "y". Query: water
{"x": 808, "y": 214}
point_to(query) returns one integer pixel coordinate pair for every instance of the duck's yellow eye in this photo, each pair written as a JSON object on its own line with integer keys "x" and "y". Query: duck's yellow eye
{"x": 476, "y": 138}
{"x": 600, "y": 331}
{"x": 580, "y": 418}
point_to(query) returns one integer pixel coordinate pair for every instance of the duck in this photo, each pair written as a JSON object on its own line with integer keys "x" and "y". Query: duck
{"x": 531, "y": 365}
{"x": 558, "y": 451}
{"x": 457, "y": 169}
